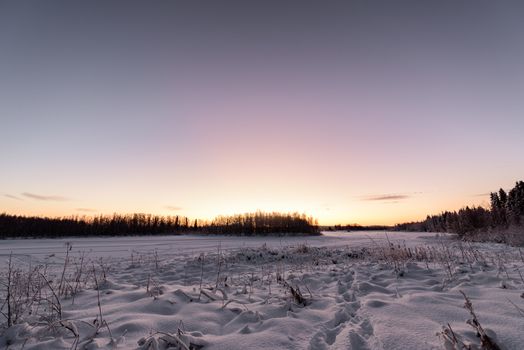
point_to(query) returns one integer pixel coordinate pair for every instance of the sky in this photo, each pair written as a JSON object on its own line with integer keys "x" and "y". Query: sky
{"x": 370, "y": 112}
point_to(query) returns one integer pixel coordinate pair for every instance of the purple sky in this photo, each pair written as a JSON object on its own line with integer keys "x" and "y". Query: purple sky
{"x": 368, "y": 111}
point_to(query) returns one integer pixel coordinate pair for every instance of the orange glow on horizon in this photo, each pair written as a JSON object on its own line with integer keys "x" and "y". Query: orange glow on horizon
{"x": 356, "y": 212}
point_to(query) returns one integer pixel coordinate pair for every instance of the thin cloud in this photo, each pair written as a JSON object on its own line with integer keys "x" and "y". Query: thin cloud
{"x": 480, "y": 194}
{"x": 173, "y": 208}
{"x": 389, "y": 197}
{"x": 86, "y": 210}
{"x": 489, "y": 193}
{"x": 13, "y": 197}
{"x": 386, "y": 197}
{"x": 45, "y": 198}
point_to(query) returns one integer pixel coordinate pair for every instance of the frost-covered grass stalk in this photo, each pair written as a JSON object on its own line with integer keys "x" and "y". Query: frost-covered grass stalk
{"x": 289, "y": 281}
{"x": 35, "y": 293}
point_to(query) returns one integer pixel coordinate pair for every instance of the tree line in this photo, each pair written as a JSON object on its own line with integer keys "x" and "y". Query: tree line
{"x": 356, "y": 227}
{"x": 261, "y": 223}
{"x": 506, "y": 211}
{"x": 146, "y": 224}
{"x": 103, "y": 225}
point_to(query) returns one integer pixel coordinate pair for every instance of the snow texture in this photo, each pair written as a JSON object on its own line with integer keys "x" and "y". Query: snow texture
{"x": 358, "y": 290}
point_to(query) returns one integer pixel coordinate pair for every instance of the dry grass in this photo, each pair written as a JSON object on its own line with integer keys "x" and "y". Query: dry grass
{"x": 36, "y": 292}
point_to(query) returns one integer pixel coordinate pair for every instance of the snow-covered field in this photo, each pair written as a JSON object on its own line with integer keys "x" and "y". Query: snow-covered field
{"x": 359, "y": 290}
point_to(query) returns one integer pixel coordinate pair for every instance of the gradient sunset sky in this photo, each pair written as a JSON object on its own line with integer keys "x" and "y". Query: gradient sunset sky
{"x": 370, "y": 112}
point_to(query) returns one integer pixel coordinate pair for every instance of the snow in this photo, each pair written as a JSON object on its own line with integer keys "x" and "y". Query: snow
{"x": 362, "y": 290}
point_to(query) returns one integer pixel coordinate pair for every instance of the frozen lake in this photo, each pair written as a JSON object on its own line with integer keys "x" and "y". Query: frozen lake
{"x": 235, "y": 297}
{"x": 39, "y": 249}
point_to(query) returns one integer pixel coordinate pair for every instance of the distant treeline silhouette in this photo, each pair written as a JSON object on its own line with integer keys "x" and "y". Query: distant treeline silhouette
{"x": 104, "y": 225}
{"x": 261, "y": 223}
{"x": 506, "y": 211}
{"x": 357, "y": 227}
{"x": 146, "y": 224}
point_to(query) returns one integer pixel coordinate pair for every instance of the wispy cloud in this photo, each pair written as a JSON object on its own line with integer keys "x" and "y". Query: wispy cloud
{"x": 45, "y": 198}
{"x": 13, "y": 197}
{"x": 485, "y": 194}
{"x": 388, "y": 197}
{"x": 86, "y": 210}
{"x": 173, "y": 208}
{"x": 480, "y": 194}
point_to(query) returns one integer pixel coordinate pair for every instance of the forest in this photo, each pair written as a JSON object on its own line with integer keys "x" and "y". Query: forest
{"x": 506, "y": 214}
{"x": 356, "y": 227}
{"x": 258, "y": 223}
